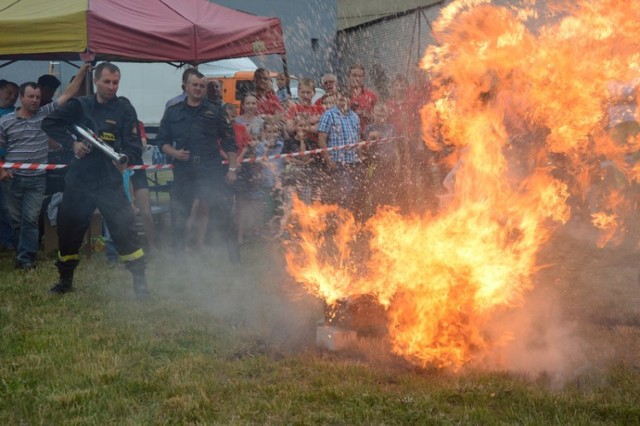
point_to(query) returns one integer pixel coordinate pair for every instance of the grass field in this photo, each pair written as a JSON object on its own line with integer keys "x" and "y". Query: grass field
{"x": 219, "y": 344}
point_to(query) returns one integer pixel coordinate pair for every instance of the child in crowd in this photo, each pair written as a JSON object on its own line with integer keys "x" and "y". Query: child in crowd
{"x": 242, "y": 136}
{"x": 271, "y": 144}
{"x": 250, "y": 117}
{"x": 339, "y": 127}
{"x": 301, "y": 174}
{"x": 282, "y": 93}
{"x": 300, "y": 171}
{"x": 328, "y": 102}
{"x": 306, "y": 90}
{"x": 243, "y": 140}
{"x": 382, "y": 160}
{"x": 142, "y": 195}
{"x": 247, "y": 188}
{"x": 379, "y": 128}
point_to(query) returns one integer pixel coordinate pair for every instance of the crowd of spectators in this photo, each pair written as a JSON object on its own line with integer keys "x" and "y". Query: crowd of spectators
{"x": 394, "y": 171}
{"x": 251, "y": 202}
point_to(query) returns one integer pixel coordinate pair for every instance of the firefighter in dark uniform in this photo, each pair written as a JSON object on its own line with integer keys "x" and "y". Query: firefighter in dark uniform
{"x": 93, "y": 180}
{"x": 193, "y": 132}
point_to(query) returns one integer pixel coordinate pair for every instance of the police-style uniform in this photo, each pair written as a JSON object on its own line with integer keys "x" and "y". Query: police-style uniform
{"x": 94, "y": 182}
{"x": 203, "y": 131}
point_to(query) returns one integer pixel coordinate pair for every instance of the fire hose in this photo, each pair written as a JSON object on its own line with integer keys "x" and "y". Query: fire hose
{"x": 89, "y": 136}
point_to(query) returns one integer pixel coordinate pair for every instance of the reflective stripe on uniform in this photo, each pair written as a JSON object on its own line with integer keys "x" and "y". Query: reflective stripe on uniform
{"x": 68, "y": 257}
{"x": 133, "y": 256}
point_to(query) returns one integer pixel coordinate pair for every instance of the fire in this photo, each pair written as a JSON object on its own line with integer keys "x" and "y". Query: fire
{"x": 522, "y": 99}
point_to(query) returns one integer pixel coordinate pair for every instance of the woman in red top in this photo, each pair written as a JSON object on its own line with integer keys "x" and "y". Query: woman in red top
{"x": 268, "y": 102}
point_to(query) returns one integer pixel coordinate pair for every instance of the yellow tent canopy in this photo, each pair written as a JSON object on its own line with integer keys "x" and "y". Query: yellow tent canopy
{"x": 44, "y": 26}
{"x": 192, "y": 31}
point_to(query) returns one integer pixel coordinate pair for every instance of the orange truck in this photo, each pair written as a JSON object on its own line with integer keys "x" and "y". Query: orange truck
{"x": 235, "y": 86}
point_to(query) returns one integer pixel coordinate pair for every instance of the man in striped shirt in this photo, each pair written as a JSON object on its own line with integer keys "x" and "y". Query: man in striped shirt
{"x": 25, "y": 142}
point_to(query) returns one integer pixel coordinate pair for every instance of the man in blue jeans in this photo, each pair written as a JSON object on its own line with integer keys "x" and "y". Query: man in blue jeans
{"x": 8, "y": 99}
{"x": 24, "y": 140}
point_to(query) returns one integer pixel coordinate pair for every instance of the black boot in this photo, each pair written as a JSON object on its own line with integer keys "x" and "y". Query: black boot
{"x": 65, "y": 283}
{"x": 136, "y": 267}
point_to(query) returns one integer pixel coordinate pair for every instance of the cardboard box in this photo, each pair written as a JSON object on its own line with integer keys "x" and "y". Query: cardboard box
{"x": 334, "y": 338}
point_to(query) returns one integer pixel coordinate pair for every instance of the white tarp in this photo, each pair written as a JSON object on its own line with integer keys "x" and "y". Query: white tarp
{"x": 227, "y": 67}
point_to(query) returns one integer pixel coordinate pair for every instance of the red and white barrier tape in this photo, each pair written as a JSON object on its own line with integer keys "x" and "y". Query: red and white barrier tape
{"x": 151, "y": 167}
{"x": 314, "y": 151}
{"x": 37, "y": 166}
{"x": 31, "y": 166}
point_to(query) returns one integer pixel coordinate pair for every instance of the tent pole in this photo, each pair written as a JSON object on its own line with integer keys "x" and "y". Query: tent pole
{"x": 88, "y": 80}
{"x": 285, "y": 70}
{"x": 433, "y": 35}
{"x": 413, "y": 36}
{"x": 8, "y": 63}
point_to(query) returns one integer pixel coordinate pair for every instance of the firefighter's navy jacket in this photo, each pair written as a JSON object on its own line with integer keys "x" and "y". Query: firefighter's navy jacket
{"x": 201, "y": 130}
{"x": 115, "y": 122}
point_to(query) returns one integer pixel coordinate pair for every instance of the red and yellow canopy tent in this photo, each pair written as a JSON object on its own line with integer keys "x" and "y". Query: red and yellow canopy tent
{"x": 185, "y": 31}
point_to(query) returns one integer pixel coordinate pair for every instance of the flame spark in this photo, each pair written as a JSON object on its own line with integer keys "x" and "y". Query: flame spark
{"x": 523, "y": 104}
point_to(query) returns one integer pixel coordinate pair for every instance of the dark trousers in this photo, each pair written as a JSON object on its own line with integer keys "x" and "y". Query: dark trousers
{"x": 6, "y": 232}
{"x": 209, "y": 188}
{"x": 74, "y": 217}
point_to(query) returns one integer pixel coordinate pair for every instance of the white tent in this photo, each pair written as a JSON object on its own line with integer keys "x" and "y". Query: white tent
{"x": 227, "y": 67}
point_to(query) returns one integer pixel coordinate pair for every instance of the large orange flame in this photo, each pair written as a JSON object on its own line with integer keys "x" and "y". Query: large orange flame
{"x": 522, "y": 98}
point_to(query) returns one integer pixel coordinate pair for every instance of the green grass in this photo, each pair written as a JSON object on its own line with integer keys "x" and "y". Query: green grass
{"x": 219, "y": 344}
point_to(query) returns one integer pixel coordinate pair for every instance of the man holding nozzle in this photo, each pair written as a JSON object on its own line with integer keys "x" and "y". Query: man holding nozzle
{"x": 94, "y": 180}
